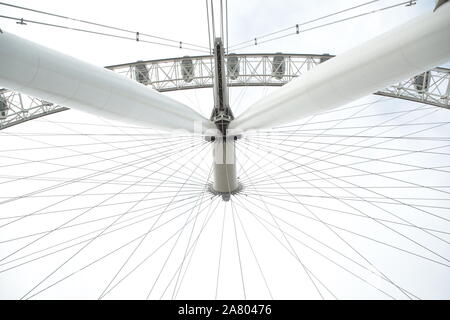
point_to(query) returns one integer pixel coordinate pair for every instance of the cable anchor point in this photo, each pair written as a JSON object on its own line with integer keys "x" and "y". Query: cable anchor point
{"x": 21, "y": 22}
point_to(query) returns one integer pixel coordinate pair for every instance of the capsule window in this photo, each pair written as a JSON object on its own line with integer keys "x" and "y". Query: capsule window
{"x": 278, "y": 67}
{"x": 187, "y": 69}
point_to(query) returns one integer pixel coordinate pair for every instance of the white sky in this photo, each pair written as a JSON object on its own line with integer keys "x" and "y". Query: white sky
{"x": 186, "y": 21}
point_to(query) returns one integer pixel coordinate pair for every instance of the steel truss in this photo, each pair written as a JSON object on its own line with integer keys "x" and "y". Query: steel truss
{"x": 21, "y": 108}
{"x": 276, "y": 69}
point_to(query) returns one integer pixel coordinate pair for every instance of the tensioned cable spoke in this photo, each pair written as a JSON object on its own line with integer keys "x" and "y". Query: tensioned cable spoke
{"x": 152, "y": 253}
{"x": 115, "y": 36}
{"x": 92, "y": 232}
{"x": 191, "y": 251}
{"x": 109, "y": 193}
{"x": 261, "y": 220}
{"x": 254, "y": 254}
{"x": 420, "y": 108}
{"x": 306, "y": 269}
{"x": 87, "y": 244}
{"x": 177, "y": 180}
{"x": 102, "y": 258}
{"x": 200, "y": 198}
{"x": 237, "y": 47}
{"x": 107, "y": 124}
{"x": 70, "y": 220}
{"x": 124, "y": 149}
{"x": 353, "y": 115}
{"x": 166, "y": 190}
{"x": 84, "y": 134}
{"x": 134, "y": 139}
{"x": 108, "y": 170}
{"x": 350, "y": 165}
{"x": 90, "y": 163}
{"x": 72, "y": 196}
{"x": 349, "y": 231}
{"x": 68, "y": 147}
{"x": 378, "y": 135}
{"x": 373, "y": 204}
{"x": 190, "y": 235}
{"x": 400, "y": 125}
{"x": 307, "y": 234}
{"x": 105, "y": 291}
{"x": 288, "y": 249}
{"x": 207, "y": 219}
{"x": 171, "y": 250}
{"x": 96, "y": 139}
{"x": 122, "y": 165}
{"x": 340, "y": 237}
{"x": 170, "y": 183}
{"x": 186, "y": 191}
{"x": 308, "y": 22}
{"x": 272, "y": 138}
{"x": 82, "y": 166}
{"x": 337, "y": 235}
{"x": 220, "y": 251}
{"x": 366, "y": 159}
{"x": 237, "y": 247}
{"x": 279, "y": 195}
{"x": 186, "y": 195}
{"x": 192, "y": 138}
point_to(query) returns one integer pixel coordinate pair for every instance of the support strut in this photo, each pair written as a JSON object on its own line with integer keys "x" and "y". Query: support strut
{"x": 225, "y": 180}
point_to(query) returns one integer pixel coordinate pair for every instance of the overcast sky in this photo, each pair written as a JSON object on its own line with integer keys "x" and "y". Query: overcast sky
{"x": 186, "y": 21}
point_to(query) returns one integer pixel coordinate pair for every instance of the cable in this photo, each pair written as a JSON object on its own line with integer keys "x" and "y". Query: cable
{"x": 100, "y": 25}
{"x": 297, "y": 30}
{"x": 209, "y": 28}
{"x": 24, "y": 21}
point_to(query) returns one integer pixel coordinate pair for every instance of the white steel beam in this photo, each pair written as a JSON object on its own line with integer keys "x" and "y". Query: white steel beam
{"x": 398, "y": 54}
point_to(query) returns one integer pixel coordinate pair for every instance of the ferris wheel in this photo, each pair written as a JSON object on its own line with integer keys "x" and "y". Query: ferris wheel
{"x": 335, "y": 184}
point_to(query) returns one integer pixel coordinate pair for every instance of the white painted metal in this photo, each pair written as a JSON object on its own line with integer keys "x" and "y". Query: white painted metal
{"x": 396, "y": 55}
{"x": 225, "y": 181}
{"x": 47, "y": 74}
